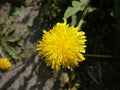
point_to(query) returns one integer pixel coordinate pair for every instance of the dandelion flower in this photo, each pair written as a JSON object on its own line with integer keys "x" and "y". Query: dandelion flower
{"x": 62, "y": 46}
{"x": 5, "y": 64}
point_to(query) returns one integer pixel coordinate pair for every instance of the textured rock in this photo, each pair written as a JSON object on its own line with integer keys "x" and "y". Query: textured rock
{"x": 22, "y": 75}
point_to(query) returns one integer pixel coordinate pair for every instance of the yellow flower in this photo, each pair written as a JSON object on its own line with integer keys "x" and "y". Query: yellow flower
{"x": 62, "y": 46}
{"x": 5, "y": 64}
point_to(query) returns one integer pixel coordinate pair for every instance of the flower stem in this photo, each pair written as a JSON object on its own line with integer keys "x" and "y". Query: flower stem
{"x": 98, "y": 56}
{"x": 82, "y": 18}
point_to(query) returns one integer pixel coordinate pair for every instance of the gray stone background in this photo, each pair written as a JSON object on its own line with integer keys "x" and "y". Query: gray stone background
{"x": 30, "y": 73}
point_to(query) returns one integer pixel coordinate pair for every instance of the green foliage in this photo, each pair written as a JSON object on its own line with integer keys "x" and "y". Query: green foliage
{"x": 12, "y": 39}
{"x": 72, "y": 10}
{"x": 80, "y": 7}
{"x": 73, "y": 20}
{"x": 8, "y": 25}
{"x": 96, "y": 18}
{"x": 7, "y": 39}
{"x": 52, "y": 11}
{"x": 10, "y": 50}
{"x": 76, "y": 6}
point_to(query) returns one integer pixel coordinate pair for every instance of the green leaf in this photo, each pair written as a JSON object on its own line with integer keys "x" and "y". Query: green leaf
{"x": 12, "y": 39}
{"x": 72, "y": 10}
{"x": 74, "y": 17}
{"x": 83, "y": 3}
{"x": 10, "y": 21}
{"x": 10, "y": 50}
{"x": 26, "y": 30}
{"x": 76, "y": 6}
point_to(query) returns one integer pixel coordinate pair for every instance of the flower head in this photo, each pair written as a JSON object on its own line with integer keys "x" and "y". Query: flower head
{"x": 62, "y": 46}
{"x": 5, "y": 64}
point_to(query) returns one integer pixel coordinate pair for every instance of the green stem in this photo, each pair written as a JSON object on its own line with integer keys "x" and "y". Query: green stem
{"x": 72, "y": 77}
{"x": 82, "y": 18}
{"x": 98, "y": 56}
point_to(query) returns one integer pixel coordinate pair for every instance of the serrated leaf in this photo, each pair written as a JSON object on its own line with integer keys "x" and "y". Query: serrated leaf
{"x": 72, "y": 10}
{"x": 10, "y": 50}
{"x": 12, "y": 39}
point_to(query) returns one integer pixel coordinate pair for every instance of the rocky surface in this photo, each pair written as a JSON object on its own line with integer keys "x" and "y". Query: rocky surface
{"x": 30, "y": 73}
